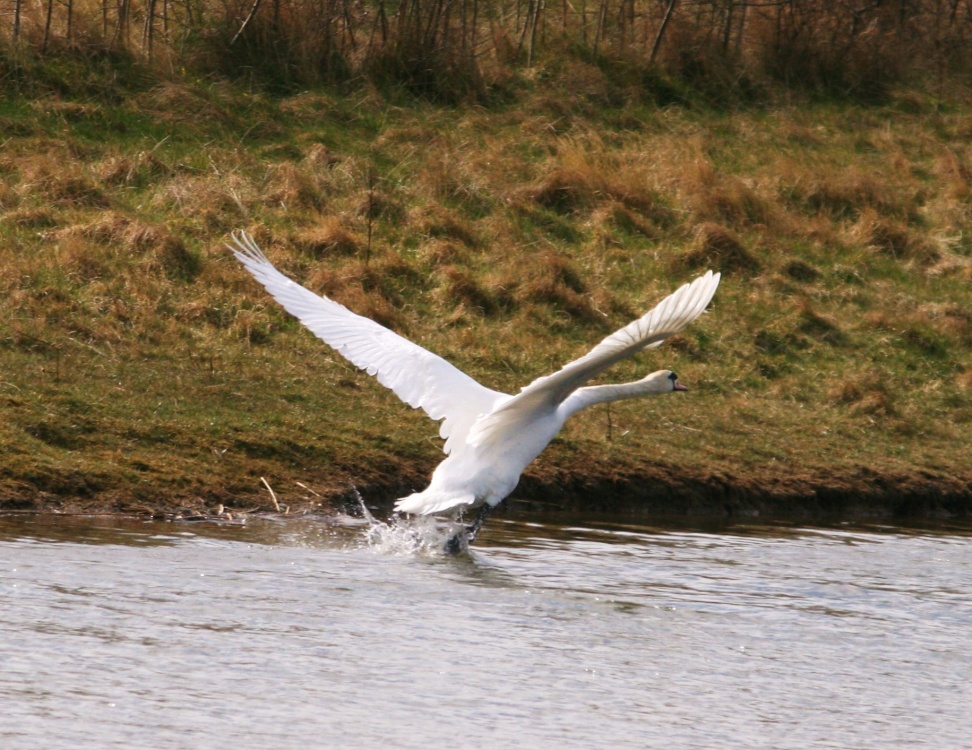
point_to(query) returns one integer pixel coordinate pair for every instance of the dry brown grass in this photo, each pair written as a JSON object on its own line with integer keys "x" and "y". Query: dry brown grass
{"x": 293, "y": 188}
{"x": 722, "y": 198}
{"x": 866, "y": 394}
{"x": 370, "y": 289}
{"x": 320, "y": 158}
{"x": 564, "y": 189}
{"x": 435, "y": 221}
{"x": 442, "y": 252}
{"x": 31, "y": 218}
{"x": 62, "y": 184}
{"x": 128, "y": 170}
{"x": 846, "y": 193}
{"x": 952, "y": 265}
{"x": 818, "y": 326}
{"x": 83, "y": 259}
{"x": 376, "y": 204}
{"x": 328, "y": 236}
{"x": 459, "y": 286}
{"x": 584, "y": 175}
{"x": 801, "y": 271}
{"x": 176, "y": 104}
{"x": 955, "y": 171}
{"x": 714, "y": 246}
{"x": 546, "y": 279}
{"x": 613, "y": 217}
{"x": 155, "y": 247}
{"x": 212, "y": 202}
{"x": 894, "y": 238}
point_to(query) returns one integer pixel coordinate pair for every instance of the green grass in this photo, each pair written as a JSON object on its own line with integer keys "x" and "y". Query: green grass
{"x": 141, "y": 369}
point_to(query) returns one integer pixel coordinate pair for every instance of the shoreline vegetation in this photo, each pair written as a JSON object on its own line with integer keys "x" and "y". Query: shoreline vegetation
{"x": 540, "y": 180}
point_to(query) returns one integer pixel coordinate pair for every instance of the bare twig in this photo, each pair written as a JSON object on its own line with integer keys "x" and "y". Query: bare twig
{"x": 273, "y": 495}
{"x": 315, "y": 494}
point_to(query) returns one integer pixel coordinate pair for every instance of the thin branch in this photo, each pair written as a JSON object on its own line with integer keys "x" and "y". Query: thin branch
{"x": 253, "y": 12}
{"x": 661, "y": 30}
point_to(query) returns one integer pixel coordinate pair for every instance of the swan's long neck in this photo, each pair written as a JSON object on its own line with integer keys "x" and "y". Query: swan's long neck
{"x": 599, "y": 394}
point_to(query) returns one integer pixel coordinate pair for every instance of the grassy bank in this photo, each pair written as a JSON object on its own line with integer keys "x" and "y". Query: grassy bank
{"x": 141, "y": 370}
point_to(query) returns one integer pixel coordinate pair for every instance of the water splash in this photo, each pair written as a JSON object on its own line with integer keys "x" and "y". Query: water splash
{"x": 408, "y": 535}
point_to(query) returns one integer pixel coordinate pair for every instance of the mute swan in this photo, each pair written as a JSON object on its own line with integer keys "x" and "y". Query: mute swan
{"x": 490, "y": 437}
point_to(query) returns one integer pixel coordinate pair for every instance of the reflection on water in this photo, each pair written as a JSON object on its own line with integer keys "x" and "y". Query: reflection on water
{"x": 300, "y": 633}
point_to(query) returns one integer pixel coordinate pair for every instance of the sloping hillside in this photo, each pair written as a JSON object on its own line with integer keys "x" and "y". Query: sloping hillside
{"x": 142, "y": 370}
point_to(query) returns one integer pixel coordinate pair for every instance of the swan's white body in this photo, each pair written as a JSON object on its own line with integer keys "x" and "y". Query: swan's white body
{"x": 490, "y": 437}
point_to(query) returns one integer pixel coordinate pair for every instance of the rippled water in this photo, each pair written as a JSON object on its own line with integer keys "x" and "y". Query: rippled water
{"x": 301, "y": 634}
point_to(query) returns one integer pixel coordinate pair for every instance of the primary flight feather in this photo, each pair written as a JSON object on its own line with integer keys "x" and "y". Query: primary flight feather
{"x": 490, "y": 437}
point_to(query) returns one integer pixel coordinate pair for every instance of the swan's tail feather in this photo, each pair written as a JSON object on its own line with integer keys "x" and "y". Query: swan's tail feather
{"x": 430, "y": 501}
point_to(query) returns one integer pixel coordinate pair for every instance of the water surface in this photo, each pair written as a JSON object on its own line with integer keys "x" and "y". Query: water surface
{"x": 303, "y": 634}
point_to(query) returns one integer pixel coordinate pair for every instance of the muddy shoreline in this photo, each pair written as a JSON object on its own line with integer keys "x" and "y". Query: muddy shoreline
{"x": 662, "y": 492}
{"x": 862, "y": 496}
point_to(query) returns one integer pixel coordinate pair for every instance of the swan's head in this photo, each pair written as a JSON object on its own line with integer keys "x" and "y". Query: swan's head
{"x": 663, "y": 381}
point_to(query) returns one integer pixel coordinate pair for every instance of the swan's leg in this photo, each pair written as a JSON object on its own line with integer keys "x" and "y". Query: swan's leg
{"x": 473, "y": 528}
{"x": 462, "y": 539}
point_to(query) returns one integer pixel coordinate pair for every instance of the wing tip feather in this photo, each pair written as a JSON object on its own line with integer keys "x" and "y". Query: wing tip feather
{"x": 245, "y": 248}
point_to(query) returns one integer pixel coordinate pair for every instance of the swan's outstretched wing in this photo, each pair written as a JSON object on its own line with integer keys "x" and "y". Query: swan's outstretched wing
{"x": 669, "y": 317}
{"x": 418, "y": 377}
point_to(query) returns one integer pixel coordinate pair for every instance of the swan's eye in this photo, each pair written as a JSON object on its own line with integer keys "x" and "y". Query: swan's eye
{"x": 673, "y": 377}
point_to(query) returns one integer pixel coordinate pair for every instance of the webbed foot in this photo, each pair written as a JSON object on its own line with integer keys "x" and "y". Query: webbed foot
{"x": 456, "y": 543}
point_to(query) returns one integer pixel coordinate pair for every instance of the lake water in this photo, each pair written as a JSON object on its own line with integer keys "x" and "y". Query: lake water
{"x": 315, "y": 633}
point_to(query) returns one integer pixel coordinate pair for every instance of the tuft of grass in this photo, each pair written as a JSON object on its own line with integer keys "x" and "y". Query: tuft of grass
{"x": 459, "y": 286}
{"x": 329, "y": 236}
{"x": 798, "y": 270}
{"x": 894, "y": 238}
{"x": 67, "y": 188}
{"x": 138, "y": 169}
{"x": 720, "y": 198}
{"x": 818, "y": 326}
{"x": 714, "y": 246}
{"x": 293, "y": 188}
{"x": 867, "y": 394}
{"x": 439, "y": 222}
{"x": 563, "y": 190}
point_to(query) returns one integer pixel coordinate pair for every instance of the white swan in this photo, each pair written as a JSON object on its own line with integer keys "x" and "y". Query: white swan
{"x": 490, "y": 437}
